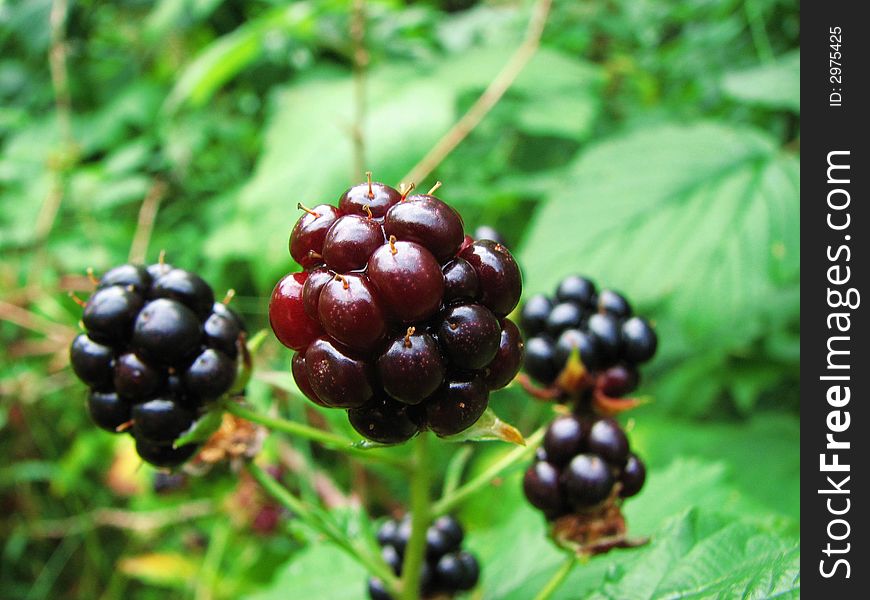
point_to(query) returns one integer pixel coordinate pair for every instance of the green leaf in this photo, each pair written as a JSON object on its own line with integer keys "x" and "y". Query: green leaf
{"x": 775, "y": 85}
{"x": 321, "y": 571}
{"x": 227, "y": 56}
{"x": 489, "y": 428}
{"x": 308, "y": 152}
{"x": 697, "y": 556}
{"x": 701, "y": 222}
{"x": 202, "y": 429}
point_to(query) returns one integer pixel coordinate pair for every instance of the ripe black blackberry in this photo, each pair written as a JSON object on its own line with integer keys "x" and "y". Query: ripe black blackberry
{"x": 585, "y": 464}
{"x": 156, "y": 350}
{"x": 447, "y": 569}
{"x": 398, "y": 316}
{"x": 597, "y": 324}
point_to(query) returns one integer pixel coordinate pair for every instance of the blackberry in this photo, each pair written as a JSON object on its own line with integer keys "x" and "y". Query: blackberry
{"x": 446, "y": 570}
{"x": 583, "y": 461}
{"x": 157, "y": 348}
{"x": 599, "y": 325}
{"x": 398, "y": 316}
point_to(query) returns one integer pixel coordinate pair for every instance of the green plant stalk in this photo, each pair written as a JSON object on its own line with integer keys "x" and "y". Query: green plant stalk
{"x": 420, "y": 519}
{"x": 332, "y": 440}
{"x": 455, "y": 468}
{"x": 449, "y": 501}
{"x": 557, "y": 579}
{"x": 375, "y": 565}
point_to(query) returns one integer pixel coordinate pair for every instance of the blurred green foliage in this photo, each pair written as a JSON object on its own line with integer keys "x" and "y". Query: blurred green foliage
{"x": 652, "y": 145}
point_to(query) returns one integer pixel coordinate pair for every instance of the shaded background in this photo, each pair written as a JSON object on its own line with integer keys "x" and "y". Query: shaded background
{"x": 652, "y": 145}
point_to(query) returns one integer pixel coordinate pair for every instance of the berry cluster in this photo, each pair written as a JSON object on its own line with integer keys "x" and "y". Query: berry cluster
{"x": 598, "y": 324}
{"x": 447, "y": 569}
{"x": 157, "y": 348}
{"x": 584, "y": 462}
{"x": 398, "y": 316}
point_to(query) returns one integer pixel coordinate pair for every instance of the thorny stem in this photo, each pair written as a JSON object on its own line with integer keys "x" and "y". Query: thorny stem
{"x": 322, "y": 525}
{"x": 558, "y": 578}
{"x": 521, "y": 453}
{"x": 332, "y": 440}
{"x": 420, "y": 518}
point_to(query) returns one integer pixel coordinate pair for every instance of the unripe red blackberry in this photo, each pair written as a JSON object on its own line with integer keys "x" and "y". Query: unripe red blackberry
{"x": 157, "y": 349}
{"x": 398, "y": 315}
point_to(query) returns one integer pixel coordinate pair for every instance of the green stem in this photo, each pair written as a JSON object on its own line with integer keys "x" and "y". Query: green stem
{"x": 455, "y": 468}
{"x": 210, "y": 570}
{"x": 449, "y": 502}
{"x": 557, "y": 579}
{"x": 375, "y": 565}
{"x": 420, "y": 518}
{"x": 332, "y": 440}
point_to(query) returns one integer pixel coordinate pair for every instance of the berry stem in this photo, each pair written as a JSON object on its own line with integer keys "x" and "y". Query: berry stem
{"x": 406, "y": 189}
{"x": 320, "y": 522}
{"x": 433, "y": 188}
{"x": 515, "y": 456}
{"x": 314, "y": 214}
{"x": 392, "y": 241}
{"x": 421, "y": 504}
{"x": 77, "y": 300}
{"x": 371, "y": 191}
{"x": 91, "y": 277}
{"x": 336, "y": 442}
{"x": 558, "y": 578}
{"x": 408, "y": 334}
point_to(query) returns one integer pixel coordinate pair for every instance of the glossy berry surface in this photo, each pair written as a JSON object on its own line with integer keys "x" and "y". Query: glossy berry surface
{"x": 210, "y": 375}
{"x": 470, "y": 335}
{"x": 639, "y": 341}
{"x": 374, "y": 197}
{"x": 350, "y": 241}
{"x": 582, "y": 459}
{"x": 135, "y": 379}
{"x": 108, "y": 410}
{"x": 167, "y": 332}
{"x": 457, "y": 405}
{"x": 291, "y": 324}
{"x": 633, "y": 476}
{"x": 337, "y": 378}
{"x": 587, "y": 480}
{"x": 160, "y": 420}
{"x": 157, "y": 348}
{"x": 578, "y": 290}
{"x": 613, "y": 303}
{"x": 187, "y": 288}
{"x": 136, "y": 277}
{"x": 408, "y": 280}
{"x": 351, "y": 312}
{"x": 91, "y": 361}
{"x": 599, "y": 324}
{"x": 498, "y": 274}
{"x": 447, "y": 569}
{"x": 535, "y": 313}
{"x": 411, "y": 368}
{"x": 427, "y": 221}
{"x": 109, "y": 314}
{"x": 508, "y": 358}
{"x": 309, "y": 233}
{"x": 564, "y": 439}
{"x": 403, "y": 313}
{"x": 460, "y": 281}
{"x": 384, "y": 420}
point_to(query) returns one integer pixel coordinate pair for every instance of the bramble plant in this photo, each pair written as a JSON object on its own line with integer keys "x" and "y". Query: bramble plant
{"x": 654, "y": 149}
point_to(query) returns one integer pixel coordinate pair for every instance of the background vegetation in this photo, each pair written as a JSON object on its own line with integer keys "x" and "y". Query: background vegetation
{"x": 651, "y": 145}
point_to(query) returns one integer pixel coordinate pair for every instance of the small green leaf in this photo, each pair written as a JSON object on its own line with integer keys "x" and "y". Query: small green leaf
{"x": 202, "y": 429}
{"x": 489, "y": 428}
{"x": 776, "y": 85}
